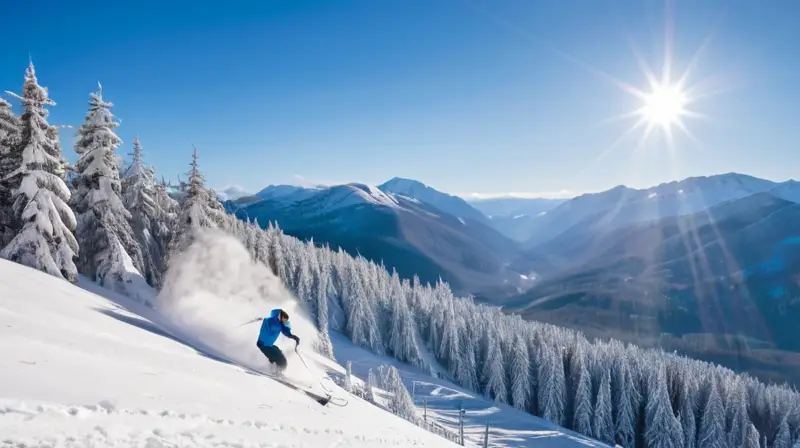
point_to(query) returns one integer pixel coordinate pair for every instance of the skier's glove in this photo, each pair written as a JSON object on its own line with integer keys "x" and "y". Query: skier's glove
{"x": 296, "y": 340}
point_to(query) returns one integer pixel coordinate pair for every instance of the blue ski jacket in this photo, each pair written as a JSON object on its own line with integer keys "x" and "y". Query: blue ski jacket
{"x": 271, "y": 328}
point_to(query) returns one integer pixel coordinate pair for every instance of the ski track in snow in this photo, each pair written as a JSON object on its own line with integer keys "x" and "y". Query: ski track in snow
{"x": 99, "y": 425}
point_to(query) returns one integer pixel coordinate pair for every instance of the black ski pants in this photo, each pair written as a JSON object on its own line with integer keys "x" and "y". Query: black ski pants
{"x": 273, "y": 353}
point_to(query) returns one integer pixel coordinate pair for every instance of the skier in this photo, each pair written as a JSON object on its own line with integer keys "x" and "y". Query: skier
{"x": 271, "y": 328}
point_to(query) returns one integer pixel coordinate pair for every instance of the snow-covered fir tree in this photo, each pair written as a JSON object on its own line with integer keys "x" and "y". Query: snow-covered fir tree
{"x": 400, "y": 402}
{"x": 662, "y": 429}
{"x": 10, "y": 159}
{"x": 626, "y": 403}
{"x": 372, "y": 384}
{"x": 520, "y": 376}
{"x": 138, "y": 193}
{"x": 199, "y": 208}
{"x": 582, "y": 387}
{"x": 42, "y": 222}
{"x": 552, "y": 388}
{"x": 688, "y": 409}
{"x": 602, "y": 421}
{"x": 108, "y": 246}
{"x": 494, "y": 372}
{"x": 402, "y": 340}
{"x": 712, "y": 423}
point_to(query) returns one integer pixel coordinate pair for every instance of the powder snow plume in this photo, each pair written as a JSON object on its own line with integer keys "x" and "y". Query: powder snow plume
{"x": 214, "y": 287}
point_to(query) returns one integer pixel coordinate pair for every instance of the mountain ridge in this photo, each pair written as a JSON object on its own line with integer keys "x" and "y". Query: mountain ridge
{"x": 412, "y": 236}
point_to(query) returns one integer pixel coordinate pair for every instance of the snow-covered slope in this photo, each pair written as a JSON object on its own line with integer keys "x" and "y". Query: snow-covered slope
{"x": 78, "y": 369}
{"x": 453, "y": 205}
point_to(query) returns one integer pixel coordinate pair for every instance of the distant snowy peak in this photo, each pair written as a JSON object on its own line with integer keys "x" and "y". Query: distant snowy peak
{"x": 789, "y": 190}
{"x": 340, "y": 196}
{"x": 325, "y": 199}
{"x": 417, "y": 190}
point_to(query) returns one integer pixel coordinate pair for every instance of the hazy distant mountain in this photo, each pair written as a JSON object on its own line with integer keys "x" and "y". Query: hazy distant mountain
{"x": 683, "y": 282}
{"x": 405, "y": 233}
{"x": 621, "y": 205}
{"x": 514, "y": 217}
{"x": 287, "y": 193}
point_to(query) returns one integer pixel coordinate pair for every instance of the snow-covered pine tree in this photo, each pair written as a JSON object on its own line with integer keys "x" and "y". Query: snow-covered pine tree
{"x": 303, "y": 281}
{"x": 199, "y": 208}
{"x": 552, "y": 387}
{"x": 10, "y": 159}
{"x": 494, "y": 372}
{"x": 449, "y": 347}
{"x": 362, "y": 327}
{"x": 44, "y": 240}
{"x": 9, "y": 126}
{"x": 688, "y": 411}
{"x": 626, "y": 404}
{"x": 582, "y": 386}
{"x": 320, "y": 293}
{"x": 736, "y": 410}
{"x": 372, "y": 384}
{"x": 138, "y": 192}
{"x": 402, "y": 341}
{"x": 520, "y": 377}
{"x": 712, "y": 423}
{"x": 751, "y": 437}
{"x": 467, "y": 374}
{"x": 662, "y": 429}
{"x": 783, "y": 438}
{"x": 401, "y": 402}
{"x": 602, "y": 421}
{"x": 104, "y": 232}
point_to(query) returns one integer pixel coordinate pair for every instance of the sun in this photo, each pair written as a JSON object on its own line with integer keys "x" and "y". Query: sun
{"x": 664, "y": 106}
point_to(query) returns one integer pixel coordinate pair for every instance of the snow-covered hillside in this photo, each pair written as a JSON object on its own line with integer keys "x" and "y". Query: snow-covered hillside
{"x": 82, "y": 366}
{"x": 77, "y": 369}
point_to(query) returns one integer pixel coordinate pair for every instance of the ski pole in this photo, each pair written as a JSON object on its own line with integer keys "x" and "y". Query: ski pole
{"x": 301, "y": 358}
{"x": 250, "y": 322}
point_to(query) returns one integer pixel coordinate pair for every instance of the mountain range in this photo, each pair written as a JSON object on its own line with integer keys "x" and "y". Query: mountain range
{"x": 405, "y": 233}
{"x": 707, "y": 265}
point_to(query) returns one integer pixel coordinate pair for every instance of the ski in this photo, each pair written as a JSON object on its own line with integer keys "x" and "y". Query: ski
{"x": 319, "y": 398}
{"x": 323, "y": 400}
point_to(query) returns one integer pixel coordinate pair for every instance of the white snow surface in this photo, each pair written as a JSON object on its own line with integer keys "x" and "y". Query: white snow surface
{"x": 79, "y": 369}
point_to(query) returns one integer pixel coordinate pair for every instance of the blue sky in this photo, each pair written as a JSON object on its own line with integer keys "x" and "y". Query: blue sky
{"x": 469, "y": 96}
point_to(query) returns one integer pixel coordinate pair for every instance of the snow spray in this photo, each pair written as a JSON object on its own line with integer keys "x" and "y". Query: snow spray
{"x": 214, "y": 286}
